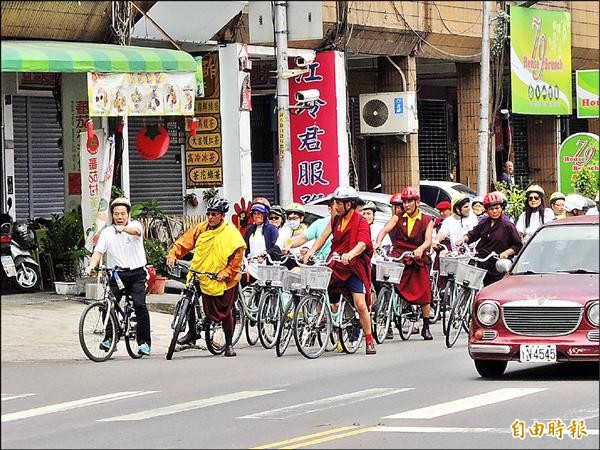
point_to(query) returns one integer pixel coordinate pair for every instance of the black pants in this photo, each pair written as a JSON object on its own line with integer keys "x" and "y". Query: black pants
{"x": 135, "y": 284}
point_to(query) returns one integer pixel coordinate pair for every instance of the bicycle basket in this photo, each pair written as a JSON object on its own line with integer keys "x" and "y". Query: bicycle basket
{"x": 448, "y": 264}
{"x": 291, "y": 281}
{"x": 388, "y": 271}
{"x": 273, "y": 274}
{"x": 315, "y": 277}
{"x": 469, "y": 274}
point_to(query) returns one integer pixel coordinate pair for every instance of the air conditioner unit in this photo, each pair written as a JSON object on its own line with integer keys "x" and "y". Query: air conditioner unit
{"x": 388, "y": 113}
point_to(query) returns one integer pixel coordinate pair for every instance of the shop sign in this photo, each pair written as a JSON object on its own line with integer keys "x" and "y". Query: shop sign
{"x": 141, "y": 94}
{"x": 314, "y": 132}
{"x": 540, "y": 59}
{"x": 97, "y": 168}
{"x": 35, "y": 81}
{"x": 577, "y": 151}
{"x": 586, "y": 82}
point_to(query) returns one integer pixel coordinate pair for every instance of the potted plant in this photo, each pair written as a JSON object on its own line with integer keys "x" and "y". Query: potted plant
{"x": 156, "y": 254}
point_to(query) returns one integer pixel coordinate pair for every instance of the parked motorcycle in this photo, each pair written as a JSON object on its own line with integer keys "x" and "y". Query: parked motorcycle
{"x": 19, "y": 267}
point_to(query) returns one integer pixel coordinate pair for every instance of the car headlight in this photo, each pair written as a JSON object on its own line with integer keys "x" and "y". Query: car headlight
{"x": 592, "y": 314}
{"x": 488, "y": 313}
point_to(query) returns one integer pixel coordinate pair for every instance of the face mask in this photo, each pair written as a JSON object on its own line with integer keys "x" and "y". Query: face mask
{"x": 293, "y": 224}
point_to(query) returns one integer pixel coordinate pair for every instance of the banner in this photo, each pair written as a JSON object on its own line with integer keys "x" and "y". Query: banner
{"x": 586, "y": 86}
{"x": 577, "y": 151}
{"x": 540, "y": 61}
{"x": 141, "y": 94}
{"x": 97, "y": 166}
{"x": 314, "y": 132}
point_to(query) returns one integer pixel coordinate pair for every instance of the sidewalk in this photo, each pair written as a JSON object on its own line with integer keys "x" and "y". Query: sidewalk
{"x": 44, "y": 325}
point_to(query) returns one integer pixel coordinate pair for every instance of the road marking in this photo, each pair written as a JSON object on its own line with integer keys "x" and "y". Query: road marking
{"x": 386, "y": 429}
{"x": 188, "y": 406}
{"x": 324, "y": 403}
{"x": 13, "y": 397}
{"x": 308, "y": 436}
{"x": 59, "y": 407}
{"x": 443, "y": 409}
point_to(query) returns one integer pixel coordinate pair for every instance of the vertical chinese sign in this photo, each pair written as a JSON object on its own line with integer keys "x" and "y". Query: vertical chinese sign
{"x": 203, "y": 153}
{"x": 317, "y": 142}
{"x": 540, "y": 61}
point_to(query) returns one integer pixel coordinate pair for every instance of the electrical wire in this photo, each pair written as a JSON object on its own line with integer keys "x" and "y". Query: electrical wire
{"x": 459, "y": 33}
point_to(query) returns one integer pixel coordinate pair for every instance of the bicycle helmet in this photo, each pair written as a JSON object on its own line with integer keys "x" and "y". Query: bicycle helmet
{"x": 410, "y": 193}
{"x": 458, "y": 202}
{"x": 120, "y": 201}
{"x": 295, "y": 208}
{"x": 575, "y": 201}
{"x": 345, "y": 193}
{"x": 259, "y": 207}
{"x": 261, "y": 201}
{"x": 494, "y": 198}
{"x": 278, "y": 211}
{"x": 556, "y": 196}
{"x": 478, "y": 199}
{"x": 370, "y": 205}
{"x": 396, "y": 199}
{"x": 535, "y": 188}
{"x": 218, "y": 204}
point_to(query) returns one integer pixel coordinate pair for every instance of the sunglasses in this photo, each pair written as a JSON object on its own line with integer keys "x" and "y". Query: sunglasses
{"x": 274, "y": 217}
{"x": 213, "y": 213}
{"x": 533, "y": 197}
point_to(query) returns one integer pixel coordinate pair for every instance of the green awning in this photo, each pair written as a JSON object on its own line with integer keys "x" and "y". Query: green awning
{"x": 51, "y": 56}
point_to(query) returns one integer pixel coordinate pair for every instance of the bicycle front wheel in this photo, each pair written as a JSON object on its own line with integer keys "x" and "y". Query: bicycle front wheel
{"x": 131, "y": 342}
{"x": 179, "y": 323}
{"x": 251, "y": 298}
{"x": 383, "y": 314}
{"x": 350, "y": 332}
{"x": 312, "y": 326}
{"x": 403, "y": 322}
{"x": 268, "y": 318}
{"x": 240, "y": 320}
{"x": 98, "y": 326}
{"x": 457, "y": 316}
{"x": 286, "y": 330}
{"x": 215, "y": 337}
{"x": 436, "y": 300}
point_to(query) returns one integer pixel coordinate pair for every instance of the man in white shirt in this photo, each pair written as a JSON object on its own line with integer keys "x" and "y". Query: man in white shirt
{"x": 123, "y": 244}
{"x": 459, "y": 223}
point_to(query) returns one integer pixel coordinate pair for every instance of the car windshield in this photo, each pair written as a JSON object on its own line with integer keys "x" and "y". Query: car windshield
{"x": 465, "y": 190}
{"x": 564, "y": 248}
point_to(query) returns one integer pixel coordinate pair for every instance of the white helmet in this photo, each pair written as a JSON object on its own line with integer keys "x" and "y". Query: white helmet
{"x": 345, "y": 193}
{"x": 575, "y": 201}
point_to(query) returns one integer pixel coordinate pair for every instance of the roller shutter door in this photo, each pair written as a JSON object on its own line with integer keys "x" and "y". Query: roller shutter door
{"x": 434, "y": 158}
{"x": 159, "y": 179}
{"x": 39, "y": 181}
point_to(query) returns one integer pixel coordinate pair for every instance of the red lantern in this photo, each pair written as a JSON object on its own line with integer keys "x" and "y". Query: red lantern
{"x": 193, "y": 127}
{"x": 152, "y": 141}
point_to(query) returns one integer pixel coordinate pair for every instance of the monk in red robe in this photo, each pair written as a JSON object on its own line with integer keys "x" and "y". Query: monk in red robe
{"x": 352, "y": 241}
{"x": 413, "y": 234}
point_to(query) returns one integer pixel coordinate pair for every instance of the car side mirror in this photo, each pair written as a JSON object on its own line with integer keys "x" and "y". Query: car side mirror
{"x": 503, "y": 265}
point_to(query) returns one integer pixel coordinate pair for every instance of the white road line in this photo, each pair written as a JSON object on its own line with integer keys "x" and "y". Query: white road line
{"x": 443, "y": 409}
{"x": 14, "y": 397}
{"x": 59, "y": 407}
{"x": 324, "y": 403}
{"x": 188, "y": 406}
{"x": 386, "y": 429}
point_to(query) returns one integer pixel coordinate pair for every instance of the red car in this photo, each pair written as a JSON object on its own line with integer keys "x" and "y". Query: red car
{"x": 545, "y": 309}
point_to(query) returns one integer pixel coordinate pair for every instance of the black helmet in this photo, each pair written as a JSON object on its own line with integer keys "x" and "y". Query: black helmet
{"x": 23, "y": 234}
{"x": 218, "y": 204}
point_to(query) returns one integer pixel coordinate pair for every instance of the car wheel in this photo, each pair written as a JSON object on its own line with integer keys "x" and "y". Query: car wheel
{"x": 490, "y": 369}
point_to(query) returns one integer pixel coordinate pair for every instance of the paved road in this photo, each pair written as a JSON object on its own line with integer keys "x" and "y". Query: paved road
{"x": 413, "y": 394}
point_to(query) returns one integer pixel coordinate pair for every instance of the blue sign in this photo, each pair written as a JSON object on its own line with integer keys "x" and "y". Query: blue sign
{"x": 398, "y": 105}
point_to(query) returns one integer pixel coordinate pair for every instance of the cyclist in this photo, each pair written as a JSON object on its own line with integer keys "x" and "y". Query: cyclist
{"x": 123, "y": 244}
{"x": 477, "y": 205}
{"x": 535, "y": 213}
{"x": 413, "y": 233}
{"x": 575, "y": 205}
{"x": 351, "y": 240}
{"x": 459, "y": 223}
{"x": 294, "y": 228}
{"x": 368, "y": 212}
{"x": 557, "y": 203}
{"x": 495, "y": 234}
{"x": 312, "y": 233}
{"x": 277, "y": 216}
{"x": 219, "y": 248}
{"x": 260, "y": 238}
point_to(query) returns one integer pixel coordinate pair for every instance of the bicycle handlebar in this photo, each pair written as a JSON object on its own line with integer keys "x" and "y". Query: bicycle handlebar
{"x": 385, "y": 255}
{"x": 491, "y": 255}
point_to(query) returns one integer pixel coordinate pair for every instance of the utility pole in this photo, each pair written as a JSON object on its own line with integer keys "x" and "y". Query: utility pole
{"x": 484, "y": 102}
{"x": 283, "y": 104}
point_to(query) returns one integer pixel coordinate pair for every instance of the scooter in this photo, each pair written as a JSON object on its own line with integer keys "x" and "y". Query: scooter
{"x": 19, "y": 267}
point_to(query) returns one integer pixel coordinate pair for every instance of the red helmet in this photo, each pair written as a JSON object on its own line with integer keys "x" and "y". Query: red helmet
{"x": 494, "y": 198}
{"x": 151, "y": 278}
{"x": 396, "y": 199}
{"x": 262, "y": 201}
{"x": 410, "y": 193}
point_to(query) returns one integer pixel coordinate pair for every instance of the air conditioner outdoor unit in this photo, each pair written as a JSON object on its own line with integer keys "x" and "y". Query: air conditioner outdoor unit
{"x": 388, "y": 113}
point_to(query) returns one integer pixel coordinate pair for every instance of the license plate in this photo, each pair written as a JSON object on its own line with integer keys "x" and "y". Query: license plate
{"x": 538, "y": 353}
{"x": 9, "y": 266}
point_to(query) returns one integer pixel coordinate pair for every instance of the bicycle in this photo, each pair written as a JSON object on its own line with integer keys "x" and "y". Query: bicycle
{"x": 471, "y": 279}
{"x": 250, "y": 296}
{"x": 104, "y": 320}
{"x": 315, "y": 319}
{"x": 390, "y": 305}
{"x": 214, "y": 335}
{"x": 448, "y": 263}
